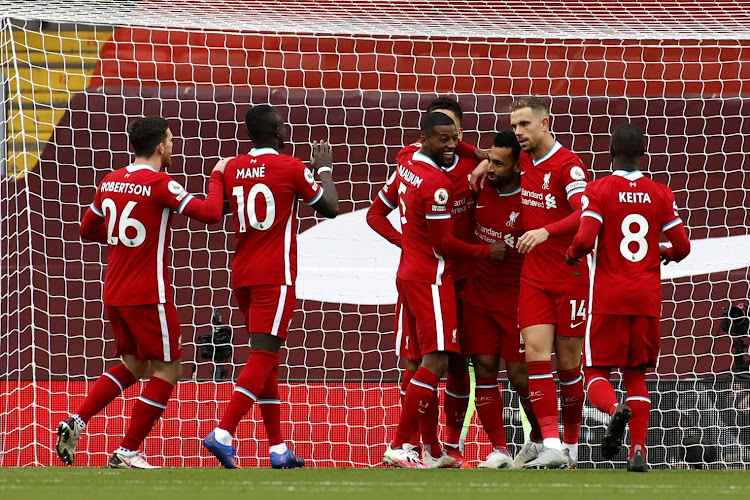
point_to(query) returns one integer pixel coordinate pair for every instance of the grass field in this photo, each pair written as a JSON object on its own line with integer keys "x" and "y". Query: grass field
{"x": 366, "y": 484}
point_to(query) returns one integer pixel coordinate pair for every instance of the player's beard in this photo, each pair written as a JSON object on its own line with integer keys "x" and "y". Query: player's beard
{"x": 166, "y": 161}
{"x": 498, "y": 182}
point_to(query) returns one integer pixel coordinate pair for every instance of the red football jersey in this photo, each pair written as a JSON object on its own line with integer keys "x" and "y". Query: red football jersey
{"x": 497, "y": 216}
{"x": 625, "y": 272}
{"x": 137, "y": 203}
{"x": 463, "y": 198}
{"x": 263, "y": 187}
{"x": 546, "y": 186}
{"x": 424, "y": 192}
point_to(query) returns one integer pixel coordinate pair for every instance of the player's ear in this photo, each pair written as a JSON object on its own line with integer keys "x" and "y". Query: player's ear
{"x": 517, "y": 167}
{"x": 160, "y": 149}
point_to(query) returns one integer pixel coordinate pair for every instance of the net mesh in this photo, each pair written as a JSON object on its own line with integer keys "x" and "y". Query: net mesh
{"x": 357, "y": 74}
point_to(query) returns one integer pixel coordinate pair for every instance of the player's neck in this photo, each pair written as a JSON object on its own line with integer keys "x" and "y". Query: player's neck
{"x": 510, "y": 186}
{"x": 544, "y": 146}
{"x": 153, "y": 162}
{"x": 626, "y": 166}
{"x": 266, "y": 144}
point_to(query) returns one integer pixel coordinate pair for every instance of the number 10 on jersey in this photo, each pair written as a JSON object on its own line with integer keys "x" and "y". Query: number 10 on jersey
{"x": 252, "y": 216}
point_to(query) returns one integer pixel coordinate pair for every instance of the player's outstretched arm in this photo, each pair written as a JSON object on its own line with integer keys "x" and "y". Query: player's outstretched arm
{"x": 210, "y": 209}
{"x": 322, "y": 163}
{"x": 584, "y": 241}
{"x": 93, "y": 227}
{"x": 680, "y": 245}
{"x": 447, "y": 245}
{"x": 479, "y": 176}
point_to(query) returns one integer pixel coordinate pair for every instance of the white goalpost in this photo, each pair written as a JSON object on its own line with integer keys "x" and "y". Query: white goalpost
{"x": 357, "y": 74}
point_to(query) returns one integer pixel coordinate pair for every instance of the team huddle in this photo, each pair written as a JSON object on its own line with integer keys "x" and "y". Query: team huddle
{"x": 510, "y": 253}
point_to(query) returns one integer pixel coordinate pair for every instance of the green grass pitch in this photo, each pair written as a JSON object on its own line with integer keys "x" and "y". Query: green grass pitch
{"x": 80, "y": 483}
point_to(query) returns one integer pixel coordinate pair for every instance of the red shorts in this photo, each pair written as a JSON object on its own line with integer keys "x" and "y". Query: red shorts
{"x": 149, "y": 332}
{"x": 564, "y": 305}
{"x": 622, "y": 341}
{"x": 495, "y": 332}
{"x": 404, "y": 347}
{"x": 267, "y": 308}
{"x": 429, "y": 315}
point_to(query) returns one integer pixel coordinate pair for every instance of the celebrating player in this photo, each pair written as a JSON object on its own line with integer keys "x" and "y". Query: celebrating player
{"x": 490, "y": 327}
{"x": 425, "y": 284}
{"x": 263, "y": 187}
{"x": 623, "y": 215}
{"x": 552, "y": 299}
{"x": 465, "y": 161}
{"x": 132, "y": 213}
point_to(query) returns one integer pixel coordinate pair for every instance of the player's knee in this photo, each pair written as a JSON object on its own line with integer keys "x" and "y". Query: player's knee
{"x": 168, "y": 371}
{"x": 485, "y": 366}
{"x": 458, "y": 364}
{"x": 436, "y": 362}
{"x": 265, "y": 342}
{"x": 518, "y": 376}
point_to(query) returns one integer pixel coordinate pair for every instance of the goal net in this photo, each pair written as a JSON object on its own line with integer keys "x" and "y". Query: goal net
{"x": 358, "y": 74}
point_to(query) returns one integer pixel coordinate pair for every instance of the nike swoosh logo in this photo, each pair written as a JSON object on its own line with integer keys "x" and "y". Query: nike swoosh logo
{"x": 479, "y": 206}
{"x": 576, "y": 325}
{"x": 484, "y": 404}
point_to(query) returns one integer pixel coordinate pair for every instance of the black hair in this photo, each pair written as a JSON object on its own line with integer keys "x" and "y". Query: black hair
{"x": 145, "y": 134}
{"x": 507, "y": 139}
{"x": 435, "y": 119}
{"x": 262, "y": 121}
{"x": 627, "y": 141}
{"x": 447, "y": 103}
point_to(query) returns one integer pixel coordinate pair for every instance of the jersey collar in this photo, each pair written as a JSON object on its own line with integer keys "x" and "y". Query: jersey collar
{"x": 139, "y": 166}
{"x": 455, "y": 162}
{"x": 554, "y": 149}
{"x": 263, "y": 151}
{"x": 417, "y": 156}
{"x": 633, "y": 175}
{"x": 508, "y": 193}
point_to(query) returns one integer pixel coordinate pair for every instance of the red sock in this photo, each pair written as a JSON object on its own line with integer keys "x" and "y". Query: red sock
{"x": 571, "y": 403}
{"x": 431, "y": 418}
{"x": 543, "y": 395}
{"x": 105, "y": 390}
{"x": 419, "y": 396}
{"x": 528, "y": 409}
{"x": 250, "y": 383}
{"x": 489, "y": 404}
{"x": 150, "y": 405}
{"x": 270, "y": 407}
{"x": 457, "y": 389}
{"x": 416, "y": 437}
{"x": 599, "y": 390}
{"x": 640, "y": 404}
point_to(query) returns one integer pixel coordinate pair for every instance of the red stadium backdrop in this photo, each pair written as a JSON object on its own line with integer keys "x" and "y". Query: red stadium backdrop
{"x": 359, "y": 87}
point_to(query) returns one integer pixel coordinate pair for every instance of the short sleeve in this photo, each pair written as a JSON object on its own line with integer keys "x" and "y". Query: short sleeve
{"x": 437, "y": 201}
{"x": 389, "y": 193}
{"x": 591, "y": 204}
{"x": 96, "y": 205}
{"x": 171, "y": 193}
{"x": 574, "y": 178}
{"x": 304, "y": 183}
{"x": 671, "y": 217}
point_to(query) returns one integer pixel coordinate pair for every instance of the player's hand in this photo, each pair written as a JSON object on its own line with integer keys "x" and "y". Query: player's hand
{"x": 222, "y": 164}
{"x": 664, "y": 254}
{"x": 532, "y": 238}
{"x": 479, "y": 175}
{"x": 570, "y": 260}
{"x": 497, "y": 250}
{"x": 321, "y": 155}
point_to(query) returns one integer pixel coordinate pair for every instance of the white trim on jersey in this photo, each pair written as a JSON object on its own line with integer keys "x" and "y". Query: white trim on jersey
{"x": 262, "y": 151}
{"x": 455, "y": 162}
{"x": 184, "y": 203}
{"x": 315, "y": 198}
{"x": 160, "y": 285}
{"x": 96, "y": 210}
{"x": 385, "y": 200}
{"x": 575, "y": 191}
{"x": 438, "y": 310}
{"x": 672, "y": 224}
{"x": 438, "y": 216}
{"x": 638, "y": 398}
{"x": 288, "y": 246}
{"x": 633, "y": 175}
{"x": 591, "y": 260}
{"x": 279, "y": 311}
{"x": 554, "y": 149}
{"x": 417, "y": 156}
{"x": 508, "y": 193}
{"x": 135, "y": 167}
{"x": 591, "y": 213}
{"x": 164, "y": 327}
